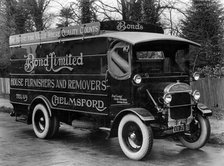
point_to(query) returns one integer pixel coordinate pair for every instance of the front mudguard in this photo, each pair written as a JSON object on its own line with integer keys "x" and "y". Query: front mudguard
{"x": 142, "y": 113}
{"x": 202, "y": 109}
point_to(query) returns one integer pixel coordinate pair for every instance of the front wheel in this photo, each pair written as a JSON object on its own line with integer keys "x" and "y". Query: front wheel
{"x": 199, "y": 133}
{"x": 135, "y": 138}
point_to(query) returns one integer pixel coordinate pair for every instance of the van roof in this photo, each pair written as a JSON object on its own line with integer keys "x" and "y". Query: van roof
{"x": 141, "y": 37}
{"x": 128, "y": 31}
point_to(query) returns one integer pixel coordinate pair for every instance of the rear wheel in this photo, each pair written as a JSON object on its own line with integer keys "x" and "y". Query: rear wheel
{"x": 135, "y": 138}
{"x": 199, "y": 133}
{"x": 54, "y": 126}
{"x": 44, "y": 126}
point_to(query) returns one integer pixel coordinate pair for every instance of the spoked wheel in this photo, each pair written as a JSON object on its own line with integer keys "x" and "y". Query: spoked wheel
{"x": 44, "y": 126}
{"x": 198, "y": 135}
{"x": 135, "y": 138}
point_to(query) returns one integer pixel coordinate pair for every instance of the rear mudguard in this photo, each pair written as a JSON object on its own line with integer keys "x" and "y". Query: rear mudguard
{"x": 142, "y": 113}
{"x": 203, "y": 110}
{"x": 35, "y": 101}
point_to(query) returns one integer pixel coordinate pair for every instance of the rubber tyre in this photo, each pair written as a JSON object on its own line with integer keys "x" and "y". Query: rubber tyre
{"x": 141, "y": 132}
{"x": 55, "y": 124}
{"x": 203, "y": 136}
{"x": 41, "y": 121}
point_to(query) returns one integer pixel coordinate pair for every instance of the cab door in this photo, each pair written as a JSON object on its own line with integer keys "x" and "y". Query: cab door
{"x": 119, "y": 75}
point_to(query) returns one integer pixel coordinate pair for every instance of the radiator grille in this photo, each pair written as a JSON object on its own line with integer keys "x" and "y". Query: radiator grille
{"x": 178, "y": 109}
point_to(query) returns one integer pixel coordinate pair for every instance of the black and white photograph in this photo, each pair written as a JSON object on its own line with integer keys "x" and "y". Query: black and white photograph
{"x": 111, "y": 82}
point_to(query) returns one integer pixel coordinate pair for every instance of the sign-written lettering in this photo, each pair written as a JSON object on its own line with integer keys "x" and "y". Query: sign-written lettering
{"x": 123, "y": 26}
{"x": 52, "y": 62}
{"x": 72, "y": 84}
{"x": 119, "y": 99}
{"x": 55, "y": 34}
{"x": 78, "y": 102}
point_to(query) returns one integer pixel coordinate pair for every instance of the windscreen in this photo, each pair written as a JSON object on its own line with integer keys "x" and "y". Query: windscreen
{"x": 155, "y": 59}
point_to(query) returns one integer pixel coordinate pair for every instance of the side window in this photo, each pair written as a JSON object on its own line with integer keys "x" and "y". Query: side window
{"x": 93, "y": 52}
{"x": 22, "y": 52}
{"x": 103, "y": 64}
{"x": 119, "y": 61}
{"x": 18, "y": 53}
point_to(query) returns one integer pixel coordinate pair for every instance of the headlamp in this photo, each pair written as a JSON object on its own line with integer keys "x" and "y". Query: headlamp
{"x": 196, "y": 94}
{"x": 137, "y": 79}
{"x": 167, "y": 98}
{"x": 196, "y": 76}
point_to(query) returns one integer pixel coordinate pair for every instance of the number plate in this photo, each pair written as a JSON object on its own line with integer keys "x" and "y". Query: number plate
{"x": 179, "y": 128}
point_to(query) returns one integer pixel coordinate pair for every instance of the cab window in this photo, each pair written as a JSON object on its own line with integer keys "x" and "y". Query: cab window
{"x": 149, "y": 55}
{"x": 161, "y": 59}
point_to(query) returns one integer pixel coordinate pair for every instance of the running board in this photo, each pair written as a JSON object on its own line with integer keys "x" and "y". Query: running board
{"x": 107, "y": 129}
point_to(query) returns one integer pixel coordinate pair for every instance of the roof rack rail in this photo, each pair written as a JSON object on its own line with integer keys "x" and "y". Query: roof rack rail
{"x": 81, "y": 31}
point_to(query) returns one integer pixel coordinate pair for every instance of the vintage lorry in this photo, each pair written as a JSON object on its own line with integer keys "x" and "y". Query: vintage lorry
{"x": 125, "y": 78}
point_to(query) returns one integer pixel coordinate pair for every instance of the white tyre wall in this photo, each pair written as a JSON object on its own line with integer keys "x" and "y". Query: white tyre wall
{"x": 201, "y": 135}
{"x": 141, "y": 134}
{"x": 41, "y": 121}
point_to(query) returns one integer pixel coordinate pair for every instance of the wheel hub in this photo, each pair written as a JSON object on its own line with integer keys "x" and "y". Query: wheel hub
{"x": 133, "y": 139}
{"x": 195, "y": 131}
{"x": 41, "y": 123}
{"x": 132, "y": 136}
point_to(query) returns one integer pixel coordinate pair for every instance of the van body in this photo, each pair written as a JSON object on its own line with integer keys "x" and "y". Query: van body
{"x": 125, "y": 78}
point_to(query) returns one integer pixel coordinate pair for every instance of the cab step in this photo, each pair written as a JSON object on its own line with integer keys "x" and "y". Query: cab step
{"x": 107, "y": 129}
